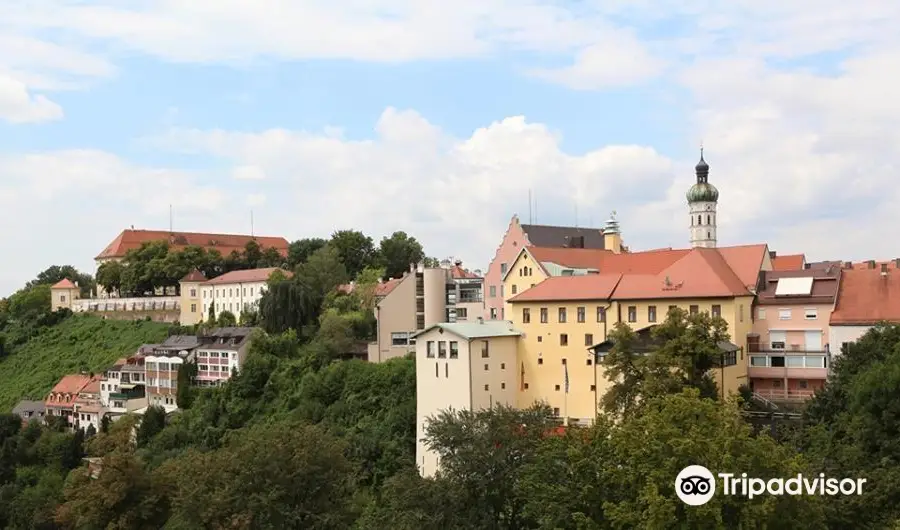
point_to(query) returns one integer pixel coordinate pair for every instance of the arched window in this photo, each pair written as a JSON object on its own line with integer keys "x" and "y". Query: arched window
{"x": 707, "y": 219}
{"x": 699, "y": 219}
{"x": 709, "y": 235}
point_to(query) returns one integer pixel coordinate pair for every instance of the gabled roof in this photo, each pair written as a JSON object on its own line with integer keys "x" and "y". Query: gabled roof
{"x": 65, "y": 283}
{"x": 459, "y": 273}
{"x": 865, "y": 297}
{"x": 27, "y": 405}
{"x": 385, "y": 288}
{"x": 588, "y": 287}
{"x": 476, "y": 330}
{"x": 746, "y": 261}
{"x": 824, "y": 287}
{"x": 248, "y": 275}
{"x": 71, "y": 384}
{"x": 194, "y": 276}
{"x": 131, "y": 239}
{"x": 559, "y": 236}
{"x": 791, "y": 262}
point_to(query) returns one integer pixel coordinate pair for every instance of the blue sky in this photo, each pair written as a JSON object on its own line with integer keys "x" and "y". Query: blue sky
{"x": 437, "y": 119}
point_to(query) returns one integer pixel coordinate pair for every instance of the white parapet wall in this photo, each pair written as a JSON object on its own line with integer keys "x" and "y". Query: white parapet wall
{"x": 149, "y": 303}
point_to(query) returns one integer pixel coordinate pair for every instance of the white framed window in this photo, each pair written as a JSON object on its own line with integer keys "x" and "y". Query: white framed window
{"x": 761, "y": 313}
{"x": 784, "y": 314}
{"x": 777, "y": 339}
{"x": 810, "y": 313}
{"x": 759, "y": 360}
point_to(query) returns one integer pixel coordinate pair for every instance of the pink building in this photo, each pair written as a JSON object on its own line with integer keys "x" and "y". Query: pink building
{"x": 789, "y": 350}
{"x": 519, "y": 235}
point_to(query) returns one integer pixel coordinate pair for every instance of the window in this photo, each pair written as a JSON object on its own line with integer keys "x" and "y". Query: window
{"x": 803, "y": 384}
{"x": 556, "y": 411}
{"x": 493, "y": 291}
{"x": 784, "y": 314}
{"x": 761, "y": 313}
{"x": 563, "y": 339}
{"x": 442, "y": 350}
{"x": 564, "y": 362}
{"x": 557, "y": 388}
{"x": 493, "y": 314}
{"x": 632, "y": 313}
{"x": 729, "y": 358}
{"x": 741, "y": 312}
{"x": 251, "y": 291}
{"x": 580, "y": 314}
{"x": 62, "y": 298}
{"x": 601, "y": 314}
{"x": 590, "y": 362}
{"x": 776, "y": 362}
{"x": 651, "y": 313}
{"x": 540, "y": 360}
{"x": 672, "y": 308}
{"x": 503, "y": 268}
{"x": 487, "y": 367}
{"x": 193, "y": 293}
{"x": 229, "y": 292}
{"x": 515, "y": 289}
{"x": 593, "y": 388}
{"x": 503, "y": 366}
{"x": 793, "y": 362}
{"x": 759, "y": 360}
{"x": 526, "y": 386}
{"x": 454, "y": 349}
{"x": 777, "y": 339}
{"x": 502, "y": 291}
{"x": 502, "y": 386}
{"x": 811, "y": 313}
{"x": 526, "y": 315}
{"x": 446, "y": 370}
{"x": 193, "y": 308}
{"x": 485, "y": 349}
{"x": 716, "y": 310}
{"x": 436, "y": 373}
{"x": 562, "y": 315}
{"x": 399, "y": 339}
{"x": 694, "y": 309}
{"x": 540, "y": 338}
{"x": 815, "y": 361}
{"x": 544, "y": 315}
{"x": 588, "y": 339}
{"x": 462, "y": 313}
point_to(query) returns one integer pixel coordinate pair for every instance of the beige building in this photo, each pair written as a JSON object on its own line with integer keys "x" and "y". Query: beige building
{"x": 423, "y": 297}
{"x": 461, "y": 366}
{"x": 236, "y": 292}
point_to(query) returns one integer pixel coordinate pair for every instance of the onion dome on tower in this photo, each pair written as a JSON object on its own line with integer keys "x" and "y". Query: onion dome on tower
{"x": 702, "y": 191}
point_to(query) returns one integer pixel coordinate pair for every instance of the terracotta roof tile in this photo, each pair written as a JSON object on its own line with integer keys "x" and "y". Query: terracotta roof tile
{"x": 71, "y": 384}
{"x": 459, "y": 273}
{"x": 249, "y": 275}
{"x": 746, "y": 261}
{"x": 384, "y": 289}
{"x": 792, "y": 262}
{"x": 588, "y": 287}
{"x": 651, "y": 262}
{"x": 865, "y": 297}
{"x": 224, "y": 243}
{"x": 194, "y": 276}
{"x": 65, "y": 283}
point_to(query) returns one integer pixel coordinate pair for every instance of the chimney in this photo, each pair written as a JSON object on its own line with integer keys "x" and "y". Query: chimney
{"x": 848, "y": 264}
{"x": 772, "y": 254}
{"x": 884, "y": 270}
{"x": 871, "y": 263}
{"x": 897, "y": 263}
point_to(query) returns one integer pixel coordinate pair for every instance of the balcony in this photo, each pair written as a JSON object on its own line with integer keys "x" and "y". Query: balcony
{"x": 788, "y": 365}
{"x": 778, "y": 395}
{"x": 470, "y": 298}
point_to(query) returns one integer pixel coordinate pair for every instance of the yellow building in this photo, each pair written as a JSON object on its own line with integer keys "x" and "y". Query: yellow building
{"x": 561, "y": 317}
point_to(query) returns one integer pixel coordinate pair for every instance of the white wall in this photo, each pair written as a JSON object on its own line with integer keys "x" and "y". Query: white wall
{"x": 232, "y": 297}
{"x": 841, "y": 334}
{"x": 450, "y": 388}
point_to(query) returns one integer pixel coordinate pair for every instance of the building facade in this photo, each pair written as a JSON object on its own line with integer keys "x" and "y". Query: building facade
{"x": 461, "y": 366}
{"x": 789, "y": 347}
{"x": 237, "y": 292}
{"x": 866, "y": 297}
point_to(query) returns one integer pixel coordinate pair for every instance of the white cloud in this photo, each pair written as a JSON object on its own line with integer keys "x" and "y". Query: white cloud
{"x": 17, "y": 105}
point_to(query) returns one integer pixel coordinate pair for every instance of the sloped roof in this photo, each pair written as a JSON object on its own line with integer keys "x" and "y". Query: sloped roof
{"x": 824, "y": 287}
{"x": 791, "y": 262}
{"x": 131, "y": 239}
{"x": 248, "y": 275}
{"x": 580, "y": 258}
{"x": 459, "y": 273}
{"x": 71, "y": 384}
{"x": 65, "y": 283}
{"x": 194, "y": 276}
{"x": 27, "y": 405}
{"x": 477, "y": 330}
{"x": 556, "y": 236}
{"x": 746, "y": 261}
{"x": 385, "y": 288}
{"x": 865, "y": 297}
{"x": 588, "y": 287}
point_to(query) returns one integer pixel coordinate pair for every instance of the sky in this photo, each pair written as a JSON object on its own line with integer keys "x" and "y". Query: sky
{"x": 438, "y": 117}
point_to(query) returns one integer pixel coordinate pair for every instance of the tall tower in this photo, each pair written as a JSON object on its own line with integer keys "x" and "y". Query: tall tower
{"x": 702, "y": 199}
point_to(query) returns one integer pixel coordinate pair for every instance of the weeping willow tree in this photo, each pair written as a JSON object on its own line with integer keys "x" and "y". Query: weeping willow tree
{"x": 287, "y": 304}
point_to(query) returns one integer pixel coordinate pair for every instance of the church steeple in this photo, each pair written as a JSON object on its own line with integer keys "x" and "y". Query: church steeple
{"x": 702, "y": 200}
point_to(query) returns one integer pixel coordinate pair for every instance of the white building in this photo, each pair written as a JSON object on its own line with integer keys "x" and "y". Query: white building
{"x": 462, "y": 366}
{"x": 236, "y": 292}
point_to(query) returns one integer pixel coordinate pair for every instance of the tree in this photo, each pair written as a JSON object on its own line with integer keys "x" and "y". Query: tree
{"x": 253, "y": 254}
{"x": 300, "y": 480}
{"x": 56, "y": 273}
{"x": 153, "y": 421}
{"x": 322, "y": 272}
{"x": 398, "y": 252}
{"x": 211, "y": 314}
{"x": 30, "y": 303}
{"x": 299, "y": 251}
{"x": 226, "y": 319}
{"x": 90, "y": 432}
{"x": 104, "y": 423}
{"x": 355, "y": 250}
{"x": 184, "y": 397}
{"x": 109, "y": 275}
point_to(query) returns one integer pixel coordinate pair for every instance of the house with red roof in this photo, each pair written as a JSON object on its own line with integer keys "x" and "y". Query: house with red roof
{"x": 237, "y": 292}
{"x": 61, "y": 400}
{"x": 866, "y": 297}
{"x": 225, "y": 244}
{"x": 63, "y": 293}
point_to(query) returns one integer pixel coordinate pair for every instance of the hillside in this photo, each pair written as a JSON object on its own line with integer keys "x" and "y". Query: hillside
{"x": 81, "y": 342}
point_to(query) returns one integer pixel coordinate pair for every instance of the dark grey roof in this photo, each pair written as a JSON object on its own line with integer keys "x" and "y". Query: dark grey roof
{"x": 180, "y": 342}
{"x": 558, "y": 236}
{"x": 227, "y": 338}
{"x": 231, "y": 332}
{"x": 28, "y": 406}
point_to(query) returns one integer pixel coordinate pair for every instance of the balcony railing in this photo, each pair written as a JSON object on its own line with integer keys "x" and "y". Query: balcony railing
{"x": 470, "y": 299}
{"x": 785, "y": 394}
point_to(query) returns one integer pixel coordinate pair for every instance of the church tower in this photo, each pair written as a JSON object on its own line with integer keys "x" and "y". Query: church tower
{"x": 702, "y": 199}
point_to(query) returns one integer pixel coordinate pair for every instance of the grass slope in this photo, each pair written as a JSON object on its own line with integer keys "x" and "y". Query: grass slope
{"x": 81, "y": 342}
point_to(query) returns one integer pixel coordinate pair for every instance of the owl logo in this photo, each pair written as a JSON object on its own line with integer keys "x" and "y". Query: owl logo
{"x": 695, "y": 485}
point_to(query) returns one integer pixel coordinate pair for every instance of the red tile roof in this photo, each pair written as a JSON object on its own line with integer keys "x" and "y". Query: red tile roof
{"x": 746, "y": 261}
{"x": 249, "y": 275}
{"x": 69, "y": 385}
{"x": 588, "y": 287}
{"x": 696, "y": 273}
{"x": 384, "y": 289}
{"x": 65, "y": 283}
{"x": 194, "y": 276}
{"x": 792, "y": 262}
{"x": 865, "y": 297}
{"x": 225, "y": 243}
{"x": 459, "y": 273}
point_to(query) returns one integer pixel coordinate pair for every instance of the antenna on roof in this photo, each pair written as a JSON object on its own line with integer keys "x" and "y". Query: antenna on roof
{"x": 530, "y": 216}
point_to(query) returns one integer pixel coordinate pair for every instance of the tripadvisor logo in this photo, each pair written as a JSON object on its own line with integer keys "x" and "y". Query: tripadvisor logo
{"x": 696, "y": 485}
